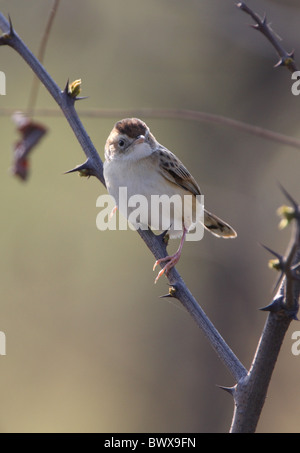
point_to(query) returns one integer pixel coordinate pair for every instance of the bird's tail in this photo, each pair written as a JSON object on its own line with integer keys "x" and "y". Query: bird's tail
{"x": 217, "y": 226}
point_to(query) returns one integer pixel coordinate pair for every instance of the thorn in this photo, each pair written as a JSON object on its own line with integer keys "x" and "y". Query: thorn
{"x": 11, "y": 28}
{"x": 289, "y": 197}
{"x": 66, "y": 93}
{"x": 275, "y": 306}
{"x": 77, "y": 168}
{"x": 264, "y": 20}
{"x": 5, "y": 37}
{"x": 278, "y": 304}
{"x": 229, "y": 390}
{"x": 83, "y": 169}
{"x": 81, "y": 98}
{"x": 269, "y": 307}
{"x": 66, "y": 90}
{"x": 281, "y": 62}
{"x": 271, "y": 251}
{"x": 287, "y": 61}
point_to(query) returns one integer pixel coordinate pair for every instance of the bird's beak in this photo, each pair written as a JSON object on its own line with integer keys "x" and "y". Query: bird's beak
{"x": 139, "y": 139}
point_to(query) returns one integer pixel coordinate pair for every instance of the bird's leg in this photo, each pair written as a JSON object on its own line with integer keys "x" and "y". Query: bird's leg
{"x": 171, "y": 260}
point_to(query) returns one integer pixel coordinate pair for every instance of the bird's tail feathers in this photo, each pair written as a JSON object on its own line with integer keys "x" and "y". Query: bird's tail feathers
{"x": 218, "y": 227}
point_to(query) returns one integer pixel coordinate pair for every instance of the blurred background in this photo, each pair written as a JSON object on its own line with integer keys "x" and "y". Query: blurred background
{"x": 90, "y": 345}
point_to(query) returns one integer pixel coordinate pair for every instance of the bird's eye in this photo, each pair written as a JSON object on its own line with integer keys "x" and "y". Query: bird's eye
{"x": 121, "y": 143}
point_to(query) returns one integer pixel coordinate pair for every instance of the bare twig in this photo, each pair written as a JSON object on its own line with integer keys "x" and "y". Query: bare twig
{"x": 182, "y": 114}
{"x": 40, "y": 56}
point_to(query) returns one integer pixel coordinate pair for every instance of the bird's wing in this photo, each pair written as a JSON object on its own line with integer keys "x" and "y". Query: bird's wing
{"x": 174, "y": 170}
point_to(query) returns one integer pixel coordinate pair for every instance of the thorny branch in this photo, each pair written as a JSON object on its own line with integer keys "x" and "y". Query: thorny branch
{"x": 285, "y": 58}
{"x": 249, "y": 394}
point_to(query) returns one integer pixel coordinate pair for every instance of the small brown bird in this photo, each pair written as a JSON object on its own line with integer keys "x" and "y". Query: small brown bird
{"x": 134, "y": 159}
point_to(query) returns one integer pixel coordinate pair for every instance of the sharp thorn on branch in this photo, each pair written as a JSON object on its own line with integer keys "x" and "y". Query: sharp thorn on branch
{"x": 264, "y": 20}
{"x": 229, "y": 390}
{"x": 66, "y": 93}
{"x": 289, "y": 197}
{"x": 66, "y": 89}
{"x": 291, "y": 54}
{"x": 280, "y": 257}
{"x": 279, "y": 63}
{"x": 275, "y": 306}
{"x": 7, "y": 35}
{"x": 80, "y": 98}
{"x": 83, "y": 169}
{"x": 165, "y": 296}
{"x": 11, "y": 28}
